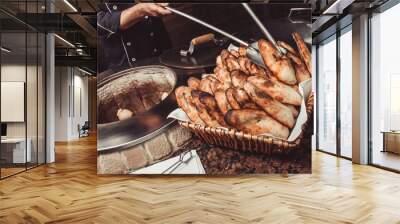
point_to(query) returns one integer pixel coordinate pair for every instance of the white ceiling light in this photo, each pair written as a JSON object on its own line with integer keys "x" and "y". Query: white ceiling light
{"x": 337, "y": 7}
{"x": 65, "y": 41}
{"x": 5, "y": 50}
{"x": 71, "y": 6}
{"x": 84, "y": 71}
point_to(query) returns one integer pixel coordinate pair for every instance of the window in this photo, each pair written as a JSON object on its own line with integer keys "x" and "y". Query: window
{"x": 346, "y": 92}
{"x": 385, "y": 89}
{"x": 394, "y": 102}
{"x": 326, "y": 96}
{"x": 334, "y": 94}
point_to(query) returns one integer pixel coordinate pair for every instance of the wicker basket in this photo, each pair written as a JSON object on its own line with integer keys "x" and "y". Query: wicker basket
{"x": 234, "y": 139}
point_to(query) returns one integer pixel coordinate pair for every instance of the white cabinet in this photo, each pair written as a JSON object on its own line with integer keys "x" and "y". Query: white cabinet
{"x": 16, "y": 147}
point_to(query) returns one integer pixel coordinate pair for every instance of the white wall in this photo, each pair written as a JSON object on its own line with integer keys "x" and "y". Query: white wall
{"x": 70, "y": 81}
{"x": 62, "y": 81}
{"x": 81, "y": 84}
{"x": 16, "y": 73}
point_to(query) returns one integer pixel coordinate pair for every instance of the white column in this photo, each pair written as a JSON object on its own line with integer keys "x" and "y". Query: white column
{"x": 50, "y": 98}
{"x": 360, "y": 90}
{"x": 50, "y": 92}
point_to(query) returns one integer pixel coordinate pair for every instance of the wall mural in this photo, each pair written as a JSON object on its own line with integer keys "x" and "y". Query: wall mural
{"x": 215, "y": 89}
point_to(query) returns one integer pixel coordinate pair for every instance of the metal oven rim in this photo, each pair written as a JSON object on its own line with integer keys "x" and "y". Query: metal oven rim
{"x": 113, "y": 125}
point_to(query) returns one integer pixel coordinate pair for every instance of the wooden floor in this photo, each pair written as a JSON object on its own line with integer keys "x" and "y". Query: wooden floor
{"x": 69, "y": 191}
{"x": 9, "y": 171}
{"x": 5, "y": 172}
{"x": 387, "y": 159}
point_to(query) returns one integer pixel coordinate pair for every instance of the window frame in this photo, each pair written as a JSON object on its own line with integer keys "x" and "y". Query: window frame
{"x": 334, "y": 37}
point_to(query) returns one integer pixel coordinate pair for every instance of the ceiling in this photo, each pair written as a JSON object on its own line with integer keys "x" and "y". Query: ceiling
{"x": 39, "y": 6}
{"x": 76, "y": 24}
{"x": 335, "y": 15}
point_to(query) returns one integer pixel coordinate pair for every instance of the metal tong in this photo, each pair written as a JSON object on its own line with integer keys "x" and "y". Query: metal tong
{"x": 184, "y": 158}
{"x": 252, "y": 52}
{"x": 263, "y": 29}
{"x": 201, "y": 22}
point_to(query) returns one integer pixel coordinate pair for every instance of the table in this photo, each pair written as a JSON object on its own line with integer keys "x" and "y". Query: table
{"x": 13, "y": 150}
{"x": 391, "y": 141}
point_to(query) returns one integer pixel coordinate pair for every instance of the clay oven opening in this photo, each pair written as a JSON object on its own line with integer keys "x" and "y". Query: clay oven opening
{"x": 135, "y": 92}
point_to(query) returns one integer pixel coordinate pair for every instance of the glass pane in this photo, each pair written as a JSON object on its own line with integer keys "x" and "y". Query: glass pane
{"x": 327, "y": 96}
{"x": 32, "y": 88}
{"x": 31, "y": 98}
{"x": 13, "y": 87}
{"x": 23, "y": 82}
{"x": 385, "y": 114}
{"x": 17, "y": 8}
{"x": 346, "y": 94}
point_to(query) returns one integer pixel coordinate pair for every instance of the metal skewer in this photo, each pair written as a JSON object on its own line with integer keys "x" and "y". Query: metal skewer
{"x": 262, "y": 27}
{"x": 241, "y": 42}
{"x": 252, "y": 52}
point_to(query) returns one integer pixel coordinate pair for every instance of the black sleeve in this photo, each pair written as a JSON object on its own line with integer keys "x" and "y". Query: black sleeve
{"x": 108, "y": 22}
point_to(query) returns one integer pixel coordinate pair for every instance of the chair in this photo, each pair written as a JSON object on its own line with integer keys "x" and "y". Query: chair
{"x": 84, "y": 130}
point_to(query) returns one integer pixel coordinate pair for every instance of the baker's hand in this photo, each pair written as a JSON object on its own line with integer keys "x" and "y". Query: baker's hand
{"x": 153, "y": 9}
{"x": 137, "y": 12}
